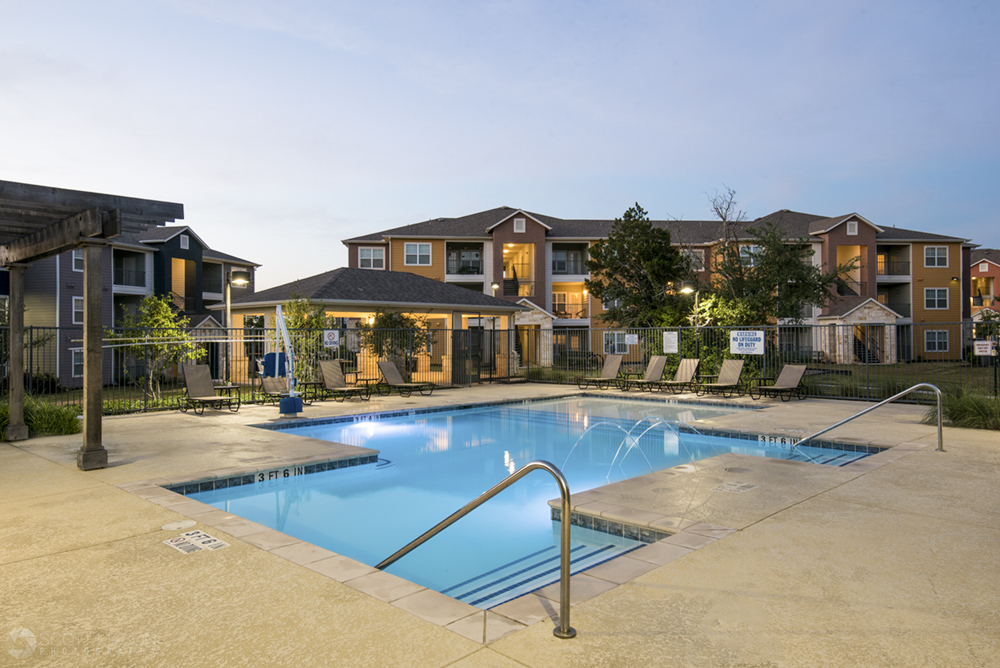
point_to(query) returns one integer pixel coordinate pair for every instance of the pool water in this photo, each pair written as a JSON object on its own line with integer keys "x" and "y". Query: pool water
{"x": 431, "y": 464}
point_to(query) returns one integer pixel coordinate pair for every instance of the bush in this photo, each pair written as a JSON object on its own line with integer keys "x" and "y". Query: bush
{"x": 43, "y": 419}
{"x": 966, "y": 409}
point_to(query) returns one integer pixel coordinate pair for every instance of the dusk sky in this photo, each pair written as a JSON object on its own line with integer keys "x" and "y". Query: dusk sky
{"x": 285, "y": 127}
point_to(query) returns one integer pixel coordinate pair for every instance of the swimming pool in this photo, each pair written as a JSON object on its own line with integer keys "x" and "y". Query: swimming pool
{"x": 430, "y": 464}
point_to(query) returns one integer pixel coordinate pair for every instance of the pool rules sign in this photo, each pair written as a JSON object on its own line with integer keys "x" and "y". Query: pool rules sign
{"x": 746, "y": 342}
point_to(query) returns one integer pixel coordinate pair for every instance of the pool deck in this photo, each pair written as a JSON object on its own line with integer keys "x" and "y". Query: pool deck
{"x": 891, "y": 561}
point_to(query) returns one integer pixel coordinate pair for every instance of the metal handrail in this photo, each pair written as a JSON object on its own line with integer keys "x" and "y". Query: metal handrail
{"x": 564, "y": 630}
{"x": 940, "y": 447}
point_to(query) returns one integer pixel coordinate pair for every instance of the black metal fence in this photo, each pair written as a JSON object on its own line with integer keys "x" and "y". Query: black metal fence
{"x": 143, "y": 368}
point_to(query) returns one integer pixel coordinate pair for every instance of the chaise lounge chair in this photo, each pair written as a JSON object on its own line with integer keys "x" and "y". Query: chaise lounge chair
{"x": 729, "y": 380}
{"x": 335, "y": 384}
{"x": 653, "y": 376}
{"x": 394, "y": 381}
{"x": 201, "y": 391}
{"x": 609, "y": 374}
{"x": 684, "y": 378}
{"x": 787, "y": 385}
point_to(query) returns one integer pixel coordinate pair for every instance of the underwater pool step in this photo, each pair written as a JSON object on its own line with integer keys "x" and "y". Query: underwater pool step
{"x": 529, "y": 573}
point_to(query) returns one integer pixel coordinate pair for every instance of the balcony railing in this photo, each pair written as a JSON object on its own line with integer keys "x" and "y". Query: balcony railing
{"x": 851, "y": 287}
{"x": 518, "y": 288}
{"x": 457, "y": 267}
{"x": 568, "y": 267}
{"x": 902, "y": 308}
{"x": 211, "y": 285}
{"x": 571, "y": 311}
{"x": 893, "y": 267}
{"x": 135, "y": 278}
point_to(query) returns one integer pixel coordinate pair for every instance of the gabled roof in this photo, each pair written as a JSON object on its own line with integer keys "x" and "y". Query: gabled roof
{"x": 900, "y": 234}
{"x": 365, "y": 286}
{"x": 159, "y": 235}
{"x": 986, "y": 255}
{"x": 150, "y": 238}
{"x": 847, "y": 305}
{"x": 527, "y": 303}
{"x": 210, "y": 254}
{"x": 519, "y": 211}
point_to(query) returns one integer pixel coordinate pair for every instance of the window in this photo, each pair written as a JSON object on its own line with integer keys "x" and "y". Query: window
{"x": 519, "y": 225}
{"x": 936, "y": 340}
{"x": 371, "y": 258}
{"x": 748, "y": 254}
{"x": 77, "y": 310}
{"x": 984, "y": 267}
{"x": 78, "y": 259}
{"x": 611, "y": 303}
{"x": 77, "y": 363}
{"x": 417, "y": 254}
{"x": 614, "y": 343}
{"x": 935, "y": 256}
{"x": 559, "y": 304}
{"x": 852, "y": 228}
{"x": 696, "y": 256}
{"x": 185, "y": 242}
{"x": 935, "y": 298}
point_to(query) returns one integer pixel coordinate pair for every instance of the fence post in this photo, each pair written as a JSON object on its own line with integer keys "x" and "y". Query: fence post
{"x": 145, "y": 371}
{"x": 31, "y": 359}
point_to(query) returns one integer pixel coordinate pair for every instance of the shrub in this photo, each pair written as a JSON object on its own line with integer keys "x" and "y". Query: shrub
{"x": 43, "y": 419}
{"x": 966, "y": 409}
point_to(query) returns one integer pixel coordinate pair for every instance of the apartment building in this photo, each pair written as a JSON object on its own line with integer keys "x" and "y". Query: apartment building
{"x": 904, "y": 277}
{"x": 985, "y": 279}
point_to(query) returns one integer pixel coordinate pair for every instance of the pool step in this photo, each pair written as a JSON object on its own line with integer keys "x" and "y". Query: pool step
{"x": 529, "y": 573}
{"x": 827, "y": 456}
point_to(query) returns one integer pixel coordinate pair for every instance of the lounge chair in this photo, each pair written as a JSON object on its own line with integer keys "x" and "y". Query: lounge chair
{"x": 335, "y": 385}
{"x": 684, "y": 378}
{"x": 653, "y": 376}
{"x": 201, "y": 391}
{"x": 394, "y": 381}
{"x": 728, "y": 381}
{"x": 609, "y": 374}
{"x": 272, "y": 389}
{"x": 787, "y": 385}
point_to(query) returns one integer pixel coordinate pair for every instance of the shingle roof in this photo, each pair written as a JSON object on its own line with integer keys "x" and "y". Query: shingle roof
{"x": 986, "y": 255}
{"x": 368, "y": 286}
{"x": 154, "y": 235}
{"x": 900, "y": 234}
{"x": 847, "y": 304}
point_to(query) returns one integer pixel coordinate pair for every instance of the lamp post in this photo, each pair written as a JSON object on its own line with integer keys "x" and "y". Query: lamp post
{"x": 239, "y": 279}
{"x": 494, "y": 285}
{"x": 687, "y": 287}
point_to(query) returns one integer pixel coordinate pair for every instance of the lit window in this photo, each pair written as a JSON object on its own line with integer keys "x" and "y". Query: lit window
{"x": 936, "y": 340}
{"x": 936, "y": 298}
{"x": 78, "y": 364}
{"x": 936, "y": 256}
{"x": 417, "y": 254}
{"x": 77, "y": 310}
{"x": 371, "y": 258}
{"x": 185, "y": 242}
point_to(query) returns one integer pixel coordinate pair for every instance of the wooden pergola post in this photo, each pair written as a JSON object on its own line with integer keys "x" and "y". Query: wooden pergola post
{"x": 92, "y": 454}
{"x": 16, "y": 429}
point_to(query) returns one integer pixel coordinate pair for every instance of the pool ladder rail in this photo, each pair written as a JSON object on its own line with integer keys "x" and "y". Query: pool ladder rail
{"x": 940, "y": 439}
{"x": 564, "y": 630}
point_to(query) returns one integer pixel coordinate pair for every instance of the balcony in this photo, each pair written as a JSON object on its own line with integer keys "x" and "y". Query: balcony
{"x": 564, "y": 267}
{"x": 571, "y": 311}
{"x": 211, "y": 285}
{"x": 513, "y": 287}
{"x": 464, "y": 267}
{"x": 134, "y": 278}
{"x": 902, "y": 308}
{"x": 893, "y": 267}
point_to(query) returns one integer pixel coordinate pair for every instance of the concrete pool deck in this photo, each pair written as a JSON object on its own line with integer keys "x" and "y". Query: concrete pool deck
{"x": 888, "y": 565}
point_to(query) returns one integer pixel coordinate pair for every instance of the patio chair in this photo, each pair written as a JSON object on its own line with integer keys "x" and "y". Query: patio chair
{"x": 684, "y": 378}
{"x": 335, "y": 384}
{"x": 729, "y": 380}
{"x": 787, "y": 384}
{"x": 394, "y": 381}
{"x": 609, "y": 374}
{"x": 201, "y": 391}
{"x": 653, "y": 376}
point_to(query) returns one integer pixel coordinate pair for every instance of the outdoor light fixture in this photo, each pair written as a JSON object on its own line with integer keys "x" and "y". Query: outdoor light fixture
{"x": 954, "y": 278}
{"x": 494, "y": 285}
{"x": 239, "y": 278}
{"x": 687, "y": 287}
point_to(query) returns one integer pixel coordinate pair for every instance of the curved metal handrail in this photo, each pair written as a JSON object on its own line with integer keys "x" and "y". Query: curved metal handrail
{"x": 564, "y": 630}
{"x": 940, "y": 447}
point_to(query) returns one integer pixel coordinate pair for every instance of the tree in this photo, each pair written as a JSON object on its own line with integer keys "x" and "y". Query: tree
{"x": 156, "y": 337}
{"x": 631, "y": 270}
{"x": 395, "y": 336}
{"x": 300, "y": 313}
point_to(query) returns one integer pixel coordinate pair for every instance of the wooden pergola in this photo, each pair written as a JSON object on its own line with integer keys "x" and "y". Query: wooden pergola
{"x": 37, "y": 222}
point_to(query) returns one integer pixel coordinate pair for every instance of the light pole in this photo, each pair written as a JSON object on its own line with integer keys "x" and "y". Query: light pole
{"x": 494, "y": 285}
{"x": 239, "y": 279}
{"x": 687, "y": 287}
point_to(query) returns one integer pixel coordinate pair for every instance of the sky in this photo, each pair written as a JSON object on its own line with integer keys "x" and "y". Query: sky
{"x": 286, "y": 127}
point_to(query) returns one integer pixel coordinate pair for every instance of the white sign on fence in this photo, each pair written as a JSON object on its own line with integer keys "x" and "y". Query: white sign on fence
{"x": 331, "y": 338}
{"x": 983, "y": 348}
{"x": 670, "y": 343}
{"x": 746, "y": 342}
{"x": 631, "y": 339}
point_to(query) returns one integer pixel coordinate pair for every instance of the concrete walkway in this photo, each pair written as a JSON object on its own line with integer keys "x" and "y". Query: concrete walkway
{"x": 892, "y": 562}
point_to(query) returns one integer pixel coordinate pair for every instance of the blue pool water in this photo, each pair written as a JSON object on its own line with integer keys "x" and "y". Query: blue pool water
{"x": 432, "y": 464}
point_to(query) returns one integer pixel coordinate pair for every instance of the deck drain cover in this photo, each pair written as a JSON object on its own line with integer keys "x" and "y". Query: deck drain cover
{"x": 735, "y": 487}
{"x": 177, "y": 526}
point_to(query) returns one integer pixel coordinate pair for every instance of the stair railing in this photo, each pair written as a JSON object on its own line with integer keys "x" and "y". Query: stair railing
{"x": 564, "y": 630}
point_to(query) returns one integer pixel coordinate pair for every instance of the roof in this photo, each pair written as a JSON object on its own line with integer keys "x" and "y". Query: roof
{"x": 900, "y": 234}
{"x": 986, "y": 255}
{"x": 377, "y": 287}
{"x": 847, "y": 305}
{"x": 148, "y": 238}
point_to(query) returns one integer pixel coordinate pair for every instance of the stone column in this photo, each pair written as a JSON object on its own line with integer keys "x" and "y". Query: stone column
{"x": 92, "y": 454}
{"x": 16, "y": 429}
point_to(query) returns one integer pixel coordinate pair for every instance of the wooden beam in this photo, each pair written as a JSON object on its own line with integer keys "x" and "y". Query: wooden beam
{"x": 54, "y": 239}
{"x": 78, "y": 200}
